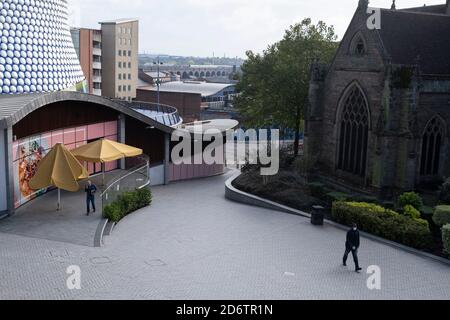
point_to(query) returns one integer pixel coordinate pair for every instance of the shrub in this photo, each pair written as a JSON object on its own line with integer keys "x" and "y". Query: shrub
{"x": 385, "y": 223}
{"x": 337, "y": 196}
{"x": 410, "y": 198}
{"x": 112, "y": 212}
{"x": 287, "y": 179}
{"x": 248, "y": 182}
{"x": 144, "y": 197}
{"x": 427, "y": 214}
{"x": 444, "y": 194}
{"x": 127, "y": 203}
{"x": 446, "y": 238}
{"x": 364, "y": 198}
{"x": 441, "y": 215}
{"x": 423, "y": 222}
{"x": 410, "y": 211}
{"x": 317, "y": 189}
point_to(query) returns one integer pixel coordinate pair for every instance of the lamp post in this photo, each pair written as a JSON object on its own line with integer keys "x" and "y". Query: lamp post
{"x": 158, "y": 80}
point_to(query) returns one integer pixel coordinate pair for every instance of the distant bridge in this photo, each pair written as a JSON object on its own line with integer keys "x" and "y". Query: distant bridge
{"x": 188, "y": 71}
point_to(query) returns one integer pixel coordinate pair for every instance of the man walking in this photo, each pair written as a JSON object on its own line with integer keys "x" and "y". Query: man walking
{"x": 352, "y": 245}
{"x": 90, "y": 190}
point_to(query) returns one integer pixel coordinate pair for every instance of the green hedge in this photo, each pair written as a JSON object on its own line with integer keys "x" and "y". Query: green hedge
{"x": 411, "y": 212}
{"x": 365, "y": 198}
{"x": 412, "y": 199}
{"x": 127, "y": 203}
{"x": 332, "y": 197}
{"x": 446, "y": 238}
{"x": 384, "y": 223}
{"x": 342, "y": 196}
{"x": 441, "y": 215}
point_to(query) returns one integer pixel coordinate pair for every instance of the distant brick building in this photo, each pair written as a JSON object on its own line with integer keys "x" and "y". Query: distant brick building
{"x": 88, "y": 46}
{"x": 379, "y": 115}
{"x": 188, "y": 104}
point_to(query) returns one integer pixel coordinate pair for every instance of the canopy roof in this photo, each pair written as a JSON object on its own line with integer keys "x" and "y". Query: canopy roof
{"x": 206, "y": 89}
{"x": 15, "y": 107}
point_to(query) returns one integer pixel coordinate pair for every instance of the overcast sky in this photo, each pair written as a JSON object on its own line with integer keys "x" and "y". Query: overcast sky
{"x": 225, "y": 27}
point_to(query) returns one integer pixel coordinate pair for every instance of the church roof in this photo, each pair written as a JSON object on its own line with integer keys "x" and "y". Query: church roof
{"x": 407, "y": 36}
{"x": 439, "y": 9}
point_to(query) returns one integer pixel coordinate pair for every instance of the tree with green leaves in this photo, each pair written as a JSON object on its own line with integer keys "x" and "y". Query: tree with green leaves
{"x": 275, "y": 84}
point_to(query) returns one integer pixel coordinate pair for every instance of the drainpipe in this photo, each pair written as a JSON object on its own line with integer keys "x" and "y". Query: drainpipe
{"x": 9, "y": 170}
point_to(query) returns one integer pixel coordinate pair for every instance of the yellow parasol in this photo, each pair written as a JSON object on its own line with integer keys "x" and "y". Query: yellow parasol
{"x": 60, "y": 169}
{"x": 104, "y": 150}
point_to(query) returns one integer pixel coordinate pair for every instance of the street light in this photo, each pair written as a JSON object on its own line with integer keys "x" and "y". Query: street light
{"x": 158, "y": 81}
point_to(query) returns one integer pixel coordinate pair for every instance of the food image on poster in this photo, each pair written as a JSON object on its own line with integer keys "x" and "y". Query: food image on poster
{"x": 29, "y": 152}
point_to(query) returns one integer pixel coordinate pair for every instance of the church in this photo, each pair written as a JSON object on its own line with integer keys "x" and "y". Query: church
{"x": 378, "y": 119}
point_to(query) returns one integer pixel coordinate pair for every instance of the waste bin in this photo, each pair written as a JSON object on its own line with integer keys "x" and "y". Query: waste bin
{"x": 317, "y": 215}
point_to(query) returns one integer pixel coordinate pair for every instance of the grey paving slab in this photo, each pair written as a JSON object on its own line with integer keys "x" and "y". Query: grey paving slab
{"x": 192, "y": 243}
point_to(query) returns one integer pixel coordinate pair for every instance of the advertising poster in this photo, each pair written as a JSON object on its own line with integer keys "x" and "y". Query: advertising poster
{"x": 28, "y": 153}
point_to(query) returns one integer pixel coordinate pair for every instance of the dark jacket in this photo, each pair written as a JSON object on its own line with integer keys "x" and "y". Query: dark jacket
{"x": 90, "y": 190}
{"x": 352, "y": 239}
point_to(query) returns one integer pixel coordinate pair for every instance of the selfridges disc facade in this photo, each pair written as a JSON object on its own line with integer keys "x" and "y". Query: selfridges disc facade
{"x": 36, "y": 49}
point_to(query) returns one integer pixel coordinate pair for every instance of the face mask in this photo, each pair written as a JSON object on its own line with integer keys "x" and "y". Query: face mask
{"x": 354, "y": 229}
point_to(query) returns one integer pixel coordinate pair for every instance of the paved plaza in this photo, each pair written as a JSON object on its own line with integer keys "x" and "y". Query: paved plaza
{"x": 192, "y": 243}
{"x": 40, "y": 219}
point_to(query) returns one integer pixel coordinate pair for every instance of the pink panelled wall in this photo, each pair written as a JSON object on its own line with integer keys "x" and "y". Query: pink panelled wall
{"x": 192, "y": 171}
{"x": 28, "y": 152}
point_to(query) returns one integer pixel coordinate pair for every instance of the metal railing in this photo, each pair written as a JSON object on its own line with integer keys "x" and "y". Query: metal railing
{"x": 134, "y": 178}
{"x": 162, "y": 113}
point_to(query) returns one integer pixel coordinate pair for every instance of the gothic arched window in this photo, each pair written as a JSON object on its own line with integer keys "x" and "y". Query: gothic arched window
{"x": 358, "y": 45}
{"x": 354, "y": 131}
{"x": 432, "y": 140}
